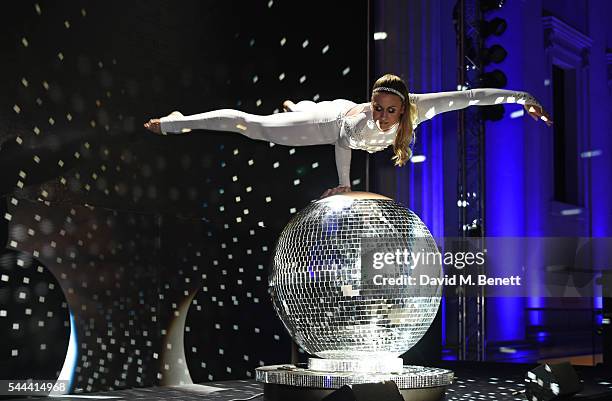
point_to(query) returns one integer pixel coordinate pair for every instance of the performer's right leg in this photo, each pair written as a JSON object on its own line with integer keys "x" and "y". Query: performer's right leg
{"x": 298, "y": 128}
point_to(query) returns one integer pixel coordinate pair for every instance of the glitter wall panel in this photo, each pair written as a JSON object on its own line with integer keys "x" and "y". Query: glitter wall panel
{"x": 107, "y": 265}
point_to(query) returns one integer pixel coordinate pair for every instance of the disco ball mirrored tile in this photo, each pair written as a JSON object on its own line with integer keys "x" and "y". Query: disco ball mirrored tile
{"x": 322, "y": 292}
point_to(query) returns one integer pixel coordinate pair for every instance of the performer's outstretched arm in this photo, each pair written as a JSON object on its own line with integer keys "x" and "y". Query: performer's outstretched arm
{"x": 431, "y": 104}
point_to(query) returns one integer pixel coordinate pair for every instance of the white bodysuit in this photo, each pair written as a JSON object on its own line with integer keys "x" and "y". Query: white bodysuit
{"x": 326, "y": 122}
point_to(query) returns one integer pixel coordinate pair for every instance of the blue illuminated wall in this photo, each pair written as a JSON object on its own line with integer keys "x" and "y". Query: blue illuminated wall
{"x": 505, "y": 177}
{"x": 519, "y": 151}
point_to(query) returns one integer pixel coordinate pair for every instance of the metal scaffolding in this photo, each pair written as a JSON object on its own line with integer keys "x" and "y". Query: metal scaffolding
{"x": 471, "y": 177}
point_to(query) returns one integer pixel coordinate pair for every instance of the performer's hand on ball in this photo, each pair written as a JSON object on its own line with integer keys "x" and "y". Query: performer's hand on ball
{"x": 153, "y": 125}
{"x": 335, "y": 191}
{"x": 538, "y": 113}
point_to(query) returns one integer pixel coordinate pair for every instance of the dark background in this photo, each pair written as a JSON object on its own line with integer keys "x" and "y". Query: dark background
{"x": 144, "y": 233}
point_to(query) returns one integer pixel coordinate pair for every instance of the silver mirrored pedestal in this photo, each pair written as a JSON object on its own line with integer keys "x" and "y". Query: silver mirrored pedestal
{"x": 323, "y": 287}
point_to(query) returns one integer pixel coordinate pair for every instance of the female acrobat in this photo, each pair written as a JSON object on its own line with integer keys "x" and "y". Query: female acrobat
{"x": 388, "y": 119}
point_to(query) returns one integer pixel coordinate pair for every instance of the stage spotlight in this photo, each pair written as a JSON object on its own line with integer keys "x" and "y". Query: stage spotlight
{"x": 489, "y": 5}
{"x": 493, "y": 79}
{"x": 474, "y": 230}
{"x": 387, "y": 391}
{"x": 494, "y": 54}
{"x": 551, "y": 382}
{"x": 496, "y": 27}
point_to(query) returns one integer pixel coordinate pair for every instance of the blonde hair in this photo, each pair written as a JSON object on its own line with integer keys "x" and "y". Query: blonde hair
{"x": 405, "y": 132}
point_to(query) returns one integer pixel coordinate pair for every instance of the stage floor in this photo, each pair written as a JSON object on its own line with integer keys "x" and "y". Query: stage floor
{"x": 474, "y": 381}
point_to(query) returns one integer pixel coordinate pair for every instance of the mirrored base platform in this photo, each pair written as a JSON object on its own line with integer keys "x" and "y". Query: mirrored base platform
{"x": 290, "y": 382}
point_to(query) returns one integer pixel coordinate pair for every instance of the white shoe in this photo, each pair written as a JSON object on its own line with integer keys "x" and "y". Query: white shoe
{"x": 288, "y": 105}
